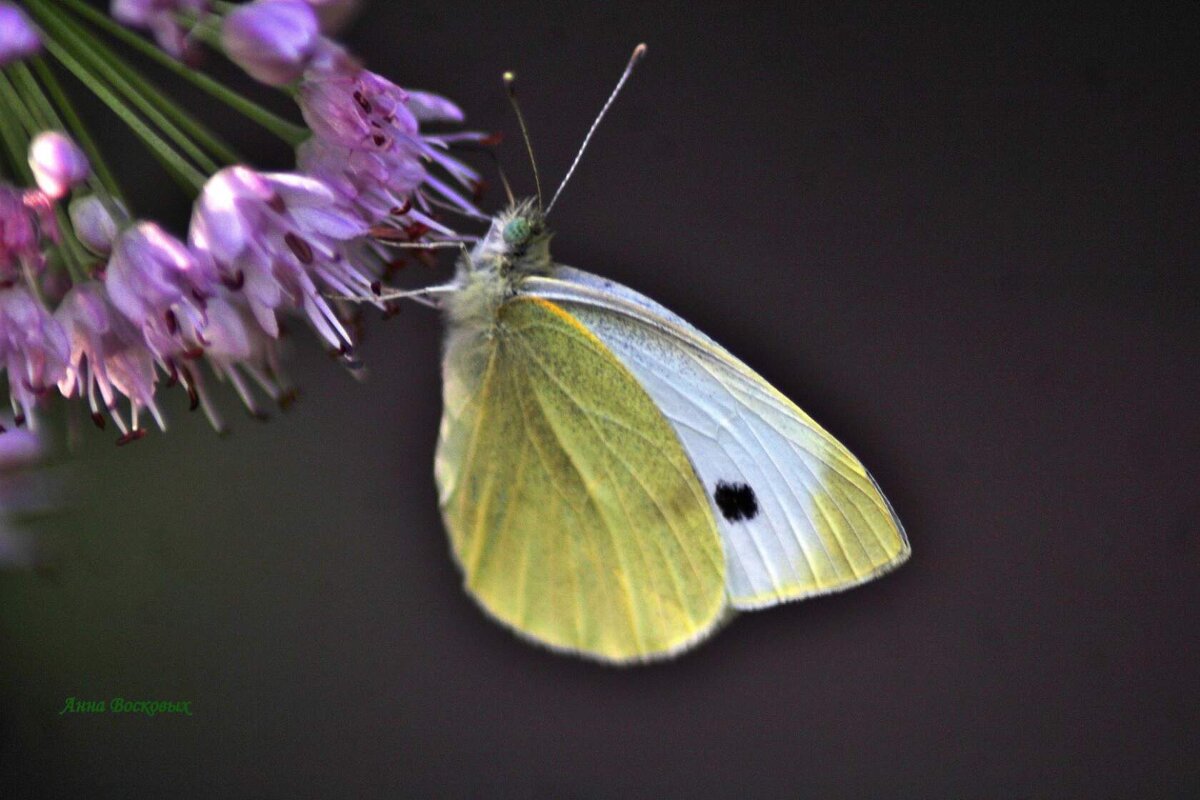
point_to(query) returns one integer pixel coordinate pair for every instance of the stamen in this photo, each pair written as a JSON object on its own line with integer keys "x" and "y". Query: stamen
{"x": 301, "y": 248}
{"x": 132, "y": 436}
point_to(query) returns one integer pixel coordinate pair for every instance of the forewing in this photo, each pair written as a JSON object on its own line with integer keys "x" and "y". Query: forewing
{"x": 571, "y": 506}
{"x": 799, "y": 515}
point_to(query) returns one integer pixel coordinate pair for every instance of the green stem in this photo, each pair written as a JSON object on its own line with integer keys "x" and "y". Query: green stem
{"x": 35, "y": 99}
{"x": 36, "y": 111}
{"x": 16, "y": 126}
{"x": 289, "y": 132}
{"x": 199, "y": 132}
{"x": 187, "y": 175}
{"x": 106, "y": 64}
{"x": 157, "y": 100}
{"x": 20, "y": 117}
{"x": 60, "y": 98}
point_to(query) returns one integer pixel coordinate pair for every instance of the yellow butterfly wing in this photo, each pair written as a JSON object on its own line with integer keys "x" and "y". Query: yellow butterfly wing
{"x": 572, "y": 508}
{"x": 799, "y": 514}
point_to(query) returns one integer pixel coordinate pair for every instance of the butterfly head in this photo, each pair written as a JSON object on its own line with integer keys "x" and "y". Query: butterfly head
{"x": 518, "y": 242}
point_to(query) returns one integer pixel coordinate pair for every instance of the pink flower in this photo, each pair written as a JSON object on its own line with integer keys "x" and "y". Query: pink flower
{"x": 26, "y": 219}
{"x": 429, "y": 107}
{"x": 57, "y": 162}
{"x": 272, "y": 40}
{"x": 239, "y": 351}
{"x": 109, "y": 356}
{"x": 162, "y": 18}
{"x": 97, "y": 221}
{"x": 33, "y": 349}
{"x": 159, "y": 285}
{"x": 277, "y": 236}
{"x": 367, "y": 142}
{"x": 18, "y": 38}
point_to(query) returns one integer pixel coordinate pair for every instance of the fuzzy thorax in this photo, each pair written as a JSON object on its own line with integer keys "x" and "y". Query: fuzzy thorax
{"x": 517, "y": 245}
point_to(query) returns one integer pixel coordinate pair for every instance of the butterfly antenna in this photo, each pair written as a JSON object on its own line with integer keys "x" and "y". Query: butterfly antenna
{"x": 512, "y": 201}
{"x": 638, "y": 52}
{"x": 510, "y": 85}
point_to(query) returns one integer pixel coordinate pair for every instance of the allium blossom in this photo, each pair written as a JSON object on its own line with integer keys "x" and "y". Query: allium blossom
{"x": 108, "y": 358}
{"x": 21, "y": 232}
{"x": 239, "y": 351}
{"x": 162, "y": 19}
{"x": 272, "y": 40}
{"x": 159, "y": 285}
{"x": 367, "y": 142}
{"x": 26, "y": 219}
{"x": 277, "y": 236}
{"x": 57, "y": 163}
{"x": 34, "y": 350}
{"x": 97, "y": 221}
{"x": 18, "y": 38}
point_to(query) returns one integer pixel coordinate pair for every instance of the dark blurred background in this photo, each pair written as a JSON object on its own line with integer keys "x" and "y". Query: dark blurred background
{"x": 963, "y": 239}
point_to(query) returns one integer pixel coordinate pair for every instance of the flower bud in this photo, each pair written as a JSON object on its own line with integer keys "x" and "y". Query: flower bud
{"x": 168, "y": 20}
{"x": 57, "y": 163}
{"x": 272, "y": 40}
{"x": 97, "y": 221}
{"x": 18, "y": 38}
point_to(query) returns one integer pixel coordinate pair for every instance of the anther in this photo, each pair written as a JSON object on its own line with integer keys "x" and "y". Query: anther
{"x": 416, "y": 230}
{"x": 131, "y": 436}
{"x": 300, "y": 247}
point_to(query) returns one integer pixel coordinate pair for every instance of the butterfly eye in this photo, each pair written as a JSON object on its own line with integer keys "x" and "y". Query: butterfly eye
{"x": 517, "y": 231}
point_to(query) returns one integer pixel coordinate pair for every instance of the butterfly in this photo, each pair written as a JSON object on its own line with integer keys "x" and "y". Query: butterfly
{"x": 615, "y": 484}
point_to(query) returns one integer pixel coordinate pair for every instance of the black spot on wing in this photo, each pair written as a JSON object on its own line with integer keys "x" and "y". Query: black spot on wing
{"x": 736, "y": 501}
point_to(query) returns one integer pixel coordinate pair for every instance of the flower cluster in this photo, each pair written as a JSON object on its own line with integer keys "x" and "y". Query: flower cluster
{"x": 113, "y": 308}
{"x": 367, "y": 143}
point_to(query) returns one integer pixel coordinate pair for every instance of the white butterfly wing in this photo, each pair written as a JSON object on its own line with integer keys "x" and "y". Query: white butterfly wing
{"x": 799, "y": 515}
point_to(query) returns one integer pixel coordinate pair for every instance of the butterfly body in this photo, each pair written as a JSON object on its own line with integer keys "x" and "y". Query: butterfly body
{"x": 614, "y": 483}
